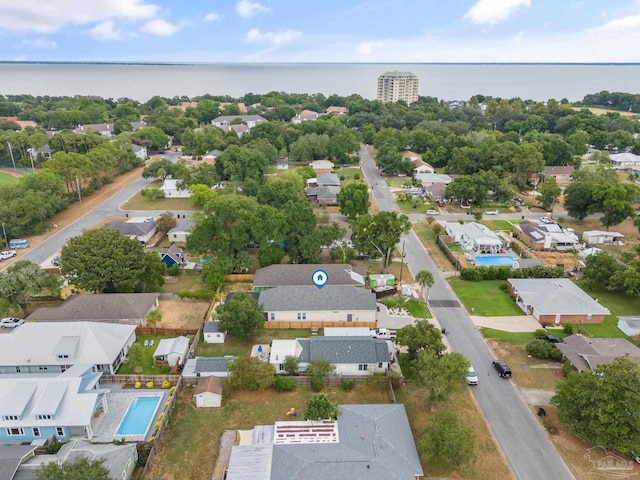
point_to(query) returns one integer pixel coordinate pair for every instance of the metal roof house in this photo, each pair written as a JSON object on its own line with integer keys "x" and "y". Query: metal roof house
{"x": 350, "y": 355}
{"x": 41, "y": 407}
{"x": 365, "y": 442}
{"x": 556, "y": 300}
{"x": 50, "y": 347}
{"x": 311, "y": 304}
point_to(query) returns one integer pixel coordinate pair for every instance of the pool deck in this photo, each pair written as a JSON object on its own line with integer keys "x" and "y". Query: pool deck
{"x": 119, "y": 400}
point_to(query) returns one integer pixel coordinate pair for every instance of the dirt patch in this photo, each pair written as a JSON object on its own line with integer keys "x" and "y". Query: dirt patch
{"x": 603, "y": 111}
{"x": 182, "y": 314}
{"x": 551, "y": 259}
{"x": 12, "y": 173}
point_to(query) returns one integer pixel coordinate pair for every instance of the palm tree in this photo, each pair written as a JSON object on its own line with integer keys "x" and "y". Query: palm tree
{"x": 425, "y": 279}
{"x": 153, "y": 317}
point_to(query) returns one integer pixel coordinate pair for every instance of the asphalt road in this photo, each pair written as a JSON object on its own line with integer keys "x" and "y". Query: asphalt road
{"x": 529, "y": 452}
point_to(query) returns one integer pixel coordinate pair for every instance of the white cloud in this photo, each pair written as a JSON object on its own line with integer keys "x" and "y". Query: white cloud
{"x": 494, "y": 11}
{"x": 212, "y": 17}
{"x": 247, "y": 8}
{"x": 619, "y": 26}
{"x": 106, "y": 31}
{"x": 40, "y": 43}
{"x": 159, "y": 27}
{"x": 275, "y": 39}
{"x": 48, "y": 16}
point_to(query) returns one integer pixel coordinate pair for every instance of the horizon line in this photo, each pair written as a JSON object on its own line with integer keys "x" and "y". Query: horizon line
{"x": 168, "y": 63}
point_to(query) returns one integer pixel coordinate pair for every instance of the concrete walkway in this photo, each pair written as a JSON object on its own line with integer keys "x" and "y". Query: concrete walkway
{"x": 517, "y": 323}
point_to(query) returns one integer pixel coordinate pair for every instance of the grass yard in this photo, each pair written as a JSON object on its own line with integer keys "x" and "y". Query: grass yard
{"x": 486, "y": 298}
{"x": 415, "y": 308}
{"x": 191, "y": 443}
{"x": 396, "y": 182}
{"x": 148, "y": 366}
{"x": 242, "y": 346}
{"x": 138, "y": 202}
{"x": 6, "y": 179}
{"x": 187, "y": 282}
{"x": 407, "y": 206}
{"x": 428, "y": 236}
{"x": 528, "y": 372}
{"x": 504, "y": 225}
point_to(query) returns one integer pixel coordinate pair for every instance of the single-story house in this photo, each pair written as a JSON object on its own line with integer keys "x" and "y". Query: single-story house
{"x": 208, "y": 392}
{"x": 305, "y": 116}
{"x": 545, "y": 236}
{"x": 325, "y": 194}
{"x": 629, "y": 325}
{"x": 207, "y": 366}
{"x": 350, "y": 355}
{"x": 172, "y": 351}
{"x": 51, "y": 347}
{"x": 212, "y": 154}
{"x": 119, "y": 460}
{"x": 104, "y": 129}
{"x": 174, "y": 255}
{"x": 282, "y": 164}
{"x": 324, "y": 180}
{"x": 626, "y": 159}
{"x": 171, "y": 189}
{"x": 322, "y": 166}
{"x": 436, "y": 192}
{"x": 140, "y": 151}
{"x": 586, "y": 353}
{"x": 556, "y": 301}
{"x": 366, "y": 441}
{"x": 49, "y": 406}
{"x": 312, "y": 304}
{"x": 419, "y": 165}
{"x": 228, "y": 120}
{"x": 474, "y": 237}
{"x": 136, "y": 228}
{"x": 182, "y": 230}
{"x": 337, "y": 110}
{"x": 212, "y": 333}
{"x": 427, "y": 179}
{"x": 599, "y": 237}
{"x": 43, "y": 152}
{"x": 129, "y": 308}
{"x": 562, "y": 173}
{"x": 281, "y": 275}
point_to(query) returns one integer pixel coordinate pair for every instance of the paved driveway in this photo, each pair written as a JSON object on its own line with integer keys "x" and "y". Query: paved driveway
{"x": 517, "y": 323}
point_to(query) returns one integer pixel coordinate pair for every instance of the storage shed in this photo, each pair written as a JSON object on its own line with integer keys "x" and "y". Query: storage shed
{"x": 208, "y": 392}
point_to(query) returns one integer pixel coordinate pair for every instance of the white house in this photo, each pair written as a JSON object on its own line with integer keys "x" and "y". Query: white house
{"x": 172, "y": 351}
{"x": 104, "y": 129}
{"x": 311, "y": 304}
{"x": 52, "y": 347}
{"x": 140, "y": 151}
{"x": 212, "y": 333}
{"x": 305, "y": 116}
{"x": 474, "y": 236}
{"x": 181, "y": 231}
{"x": 171, "y": 189}
{"x": 136, "y": 228}
{"x": 208, "y": 392}
{"x": 350, "y": 355}
{"x": 598, "y": 237}
{"x": 629, "y": 325}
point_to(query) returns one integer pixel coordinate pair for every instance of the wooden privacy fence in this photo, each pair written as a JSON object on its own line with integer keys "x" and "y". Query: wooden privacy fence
{"x": 142, "y": 378}
{"x": 239, "y": 277}
{"x": 160, "y": 431}
{"x": 166, "y": 331}
{"x": 274, "y": 324}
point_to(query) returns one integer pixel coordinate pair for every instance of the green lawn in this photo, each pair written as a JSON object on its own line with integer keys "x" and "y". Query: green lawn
{"x": 6, "y": 179}
{"x": 409, "y": 207}
{"x": 504, "y": 225}
{"x": 455, "y": 247}
{"x": 148, "y": 367}
{"x": 138, "y": 202}
{"x": 415, "y": 308}
{"x": 242, "y": 346}
{"x": 187, "y": 282}
{"x": 398, "y": 182}
{"x": 485, "y": 298}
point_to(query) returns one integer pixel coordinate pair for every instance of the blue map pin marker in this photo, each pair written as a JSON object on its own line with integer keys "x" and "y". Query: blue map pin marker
{"x": 319, "y": 278}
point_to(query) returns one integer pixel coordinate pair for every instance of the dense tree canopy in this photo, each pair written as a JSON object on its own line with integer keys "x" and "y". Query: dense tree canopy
{"x": 81, "y": 469}
{"x": 241, "y": 316}
{"x": 21, "y": 282}
{"x": 379, "y": 234}
{"x": 354, "y": 199}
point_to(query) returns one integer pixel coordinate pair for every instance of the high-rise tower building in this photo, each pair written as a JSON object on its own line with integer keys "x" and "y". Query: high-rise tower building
{"x": 397, "y": 85}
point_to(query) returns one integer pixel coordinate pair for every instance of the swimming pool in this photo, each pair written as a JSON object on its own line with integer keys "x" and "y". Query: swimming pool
{"x": 494, "y": 260}
{"x": 136, "y": 421}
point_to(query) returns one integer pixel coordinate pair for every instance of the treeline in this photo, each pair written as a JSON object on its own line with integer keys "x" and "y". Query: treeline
{"x": 628, "y": 102}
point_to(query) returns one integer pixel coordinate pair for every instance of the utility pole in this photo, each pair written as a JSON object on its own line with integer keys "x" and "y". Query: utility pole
{"x": 11, "y": 153}
{"x": 401, "y": 262}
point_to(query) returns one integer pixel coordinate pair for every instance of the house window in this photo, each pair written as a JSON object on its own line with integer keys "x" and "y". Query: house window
{"x": 363, "y": 367}
{"x": 379, "y": 364}
{"x": 60, "y": 431}
{"x": 12, "y": 432}
{"x": 10, "y": 417}
{"x": 36, "y": 431}
{"x": 272, "y": 316}
{"x": 43, "y": 368}
{"x": 43, "y": 417}
{"x": 302, "y": 315}
{"x": 60, "y": 357}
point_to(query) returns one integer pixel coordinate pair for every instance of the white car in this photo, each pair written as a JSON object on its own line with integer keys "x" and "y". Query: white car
{"x": 491, "y": 212}
{"x": 433, "y": 212}
{"x": 472, "y": 376}
{"x": 11, "y": 322}
{"x": 6, "y": 254}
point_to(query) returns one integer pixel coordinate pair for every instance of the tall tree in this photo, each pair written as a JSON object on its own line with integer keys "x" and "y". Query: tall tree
{"x": 425, "y": 279}
{"x": 578, "y": 199}
{"x": 251, "y": 373}
{"x": 104, "y": 260}
{"x": 615, "y": 201}
{"x": 354, "y": 200}
{"x": 440, "y": 375}
{"x": 548, "y": 192}
{"x": 83, "y": 468}
{"x": 241, "y": 316}
{"x": 420, "y": 336}
{"x": 379, "y": 234}
{"x": 600, "y": 406}
{"x": 321, "y": 407}
{"x": 448, "y": 440}
{"x": 21, "y": 282}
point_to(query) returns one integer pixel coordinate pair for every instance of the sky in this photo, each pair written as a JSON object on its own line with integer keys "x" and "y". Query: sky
{"x": 389, "y": 31}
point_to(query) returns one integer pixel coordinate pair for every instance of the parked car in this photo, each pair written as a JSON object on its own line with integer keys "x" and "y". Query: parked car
{"x": 546, "y": 220}
{"x": 362, "y": 256}
{"x": 549, "y": 338}
{"x": 472, "y": 376}
{"x": 440, "y": 203}
{"x": 383, "y": 333}
{"x": 433, "y": 212}
{"x": 6, "y": 254}
{"x": 491, "y": 212}
{"x": 11, "y": 322}
{"x": 503, "y": 370}
{"x": 471, "y": 212}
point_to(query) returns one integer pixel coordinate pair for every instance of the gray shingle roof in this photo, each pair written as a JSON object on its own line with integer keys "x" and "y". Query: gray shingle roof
{"x": 348, "y": 349}
{"x": 298, "y": 274}
{"x": 212, "y": 364}
{"x": 556, "y": 296}
{"x": 311, "y": 298}
{"x": 136, "y": 228}
{"x": 586, "y": 353}
{"x": 375, "y": 443}
{"x": 10, "y": 458}
{"x": 325, "y": 179}
{"x": 211, "y": 327}
{"x": 103, "y": 306}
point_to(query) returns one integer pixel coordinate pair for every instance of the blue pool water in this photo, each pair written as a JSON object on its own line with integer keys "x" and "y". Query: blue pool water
{"x": 494, "y": 260}
{"x": 139, "y": 415}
